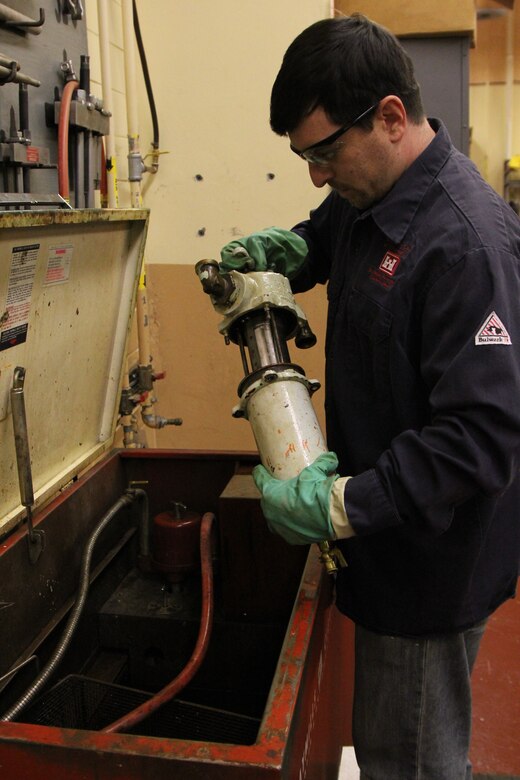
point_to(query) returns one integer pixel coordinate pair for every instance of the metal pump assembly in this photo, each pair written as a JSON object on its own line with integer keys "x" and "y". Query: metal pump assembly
{"x": 260, "y": 315}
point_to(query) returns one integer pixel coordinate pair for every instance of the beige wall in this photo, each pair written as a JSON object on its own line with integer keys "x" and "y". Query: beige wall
{"x": 223, "y": 173}
{"x": 212, "y": 65}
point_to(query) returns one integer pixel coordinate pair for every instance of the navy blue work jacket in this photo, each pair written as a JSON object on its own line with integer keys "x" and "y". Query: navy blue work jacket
{"x": 423, "y": 393}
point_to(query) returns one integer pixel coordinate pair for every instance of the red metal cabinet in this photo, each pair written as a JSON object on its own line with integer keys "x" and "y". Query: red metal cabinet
{"x": 306, "y": 718}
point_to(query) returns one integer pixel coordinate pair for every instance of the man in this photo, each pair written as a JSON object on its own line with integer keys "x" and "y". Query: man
{"x": 421, "y": 258}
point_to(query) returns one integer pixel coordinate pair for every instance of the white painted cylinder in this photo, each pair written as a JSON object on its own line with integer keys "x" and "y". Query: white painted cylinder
{"x": 285, "y": 427}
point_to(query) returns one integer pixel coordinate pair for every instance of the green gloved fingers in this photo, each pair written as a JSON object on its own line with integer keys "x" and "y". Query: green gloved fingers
{"x": 272, "y": 249}
{"x": 298, "y": 509}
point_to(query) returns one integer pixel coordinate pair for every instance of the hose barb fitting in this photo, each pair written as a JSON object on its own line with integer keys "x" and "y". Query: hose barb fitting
{"x": 219, "y": 285}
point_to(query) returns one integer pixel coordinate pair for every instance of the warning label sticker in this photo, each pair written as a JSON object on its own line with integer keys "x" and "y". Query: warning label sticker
{"x": 14, "y": 319}
{"x": 58, "y": 264}
{"x": 493, "y": 331}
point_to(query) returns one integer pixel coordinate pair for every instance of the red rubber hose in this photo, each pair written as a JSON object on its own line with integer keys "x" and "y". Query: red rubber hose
{"x": 206, "y": 623}
{"x": 63, "y": 139}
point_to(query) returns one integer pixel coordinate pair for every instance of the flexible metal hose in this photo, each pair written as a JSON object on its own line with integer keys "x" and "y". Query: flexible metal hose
{"x": 206, "y": 622}
{"x": 128, "y": 497}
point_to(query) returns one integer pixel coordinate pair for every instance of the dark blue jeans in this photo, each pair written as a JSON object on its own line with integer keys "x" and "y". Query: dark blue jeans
{"x": 412, "y": 705}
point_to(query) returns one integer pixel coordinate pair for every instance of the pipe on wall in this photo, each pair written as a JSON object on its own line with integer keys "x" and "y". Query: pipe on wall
{"x": 135, "y": 163}
{"x": 106, "y": 84}
{"x": 509, "y": 103}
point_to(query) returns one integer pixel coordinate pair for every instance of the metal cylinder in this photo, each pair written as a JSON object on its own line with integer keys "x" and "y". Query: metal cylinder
{"x": 263, "y": 333}
{"x": 285, "y": 427}
{"x": 175, "y": 542}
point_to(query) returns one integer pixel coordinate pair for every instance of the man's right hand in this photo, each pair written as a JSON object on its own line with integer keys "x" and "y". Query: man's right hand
{"x": 272, "y": 249}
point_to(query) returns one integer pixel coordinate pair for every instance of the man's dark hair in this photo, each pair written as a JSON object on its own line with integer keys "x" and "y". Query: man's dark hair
{"x": 344, "y": 65}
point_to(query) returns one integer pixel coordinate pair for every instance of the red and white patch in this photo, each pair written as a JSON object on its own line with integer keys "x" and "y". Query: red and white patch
{"x": 493, "y": 331}
{"x": 389, "y": 263}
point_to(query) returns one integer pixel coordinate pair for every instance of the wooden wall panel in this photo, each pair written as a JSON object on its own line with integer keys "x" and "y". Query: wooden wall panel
{"x": 408, "y": 17}
{"x": 488, "y": 59}
{"x": 202, "y": 373}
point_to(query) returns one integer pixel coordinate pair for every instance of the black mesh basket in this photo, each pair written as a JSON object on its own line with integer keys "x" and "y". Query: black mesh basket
{"x": 79, "y": 702}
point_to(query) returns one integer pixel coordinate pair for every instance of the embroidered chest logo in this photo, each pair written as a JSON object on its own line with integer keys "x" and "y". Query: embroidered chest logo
{"x": 493, "y": 331}
{"x": 389, "y": 263}
{"x": 384, "y": 273}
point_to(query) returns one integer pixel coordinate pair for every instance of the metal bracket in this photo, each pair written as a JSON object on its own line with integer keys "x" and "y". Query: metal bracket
{"x": 12, "y": 67}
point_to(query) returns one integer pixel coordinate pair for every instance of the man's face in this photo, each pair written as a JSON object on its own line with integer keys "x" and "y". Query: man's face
{"x": 359, "y": 165}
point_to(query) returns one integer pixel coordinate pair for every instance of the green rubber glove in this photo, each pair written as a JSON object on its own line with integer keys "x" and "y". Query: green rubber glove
{"x": 272, "y": 249}
{"x": 298, "y": 508}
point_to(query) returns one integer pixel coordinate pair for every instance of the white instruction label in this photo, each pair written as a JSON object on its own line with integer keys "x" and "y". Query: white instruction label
{"x": 58, "y": 264}
{"x": 14, "y": 319}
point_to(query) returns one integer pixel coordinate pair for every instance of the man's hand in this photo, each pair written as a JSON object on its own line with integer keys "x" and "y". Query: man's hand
{"x": 272, "y": 249}
{"x": 299, "y": 508}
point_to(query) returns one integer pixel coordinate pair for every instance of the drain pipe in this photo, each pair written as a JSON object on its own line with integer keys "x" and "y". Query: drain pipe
{"x": 128, "y": 497}
{"x": 135, "y": 174}
{"x": 206, "y": 623}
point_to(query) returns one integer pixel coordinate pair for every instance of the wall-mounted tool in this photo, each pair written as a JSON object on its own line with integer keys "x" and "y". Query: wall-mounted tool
{"x": 11, "y": 18}
{"x": 261, "y": 316}
{"x": 74, "y": 8}
{"x": 80, "y": 111}
{"x": 35, "y": 538}
{"x": 17, "y": 152}
{"x": 10, "y": 71}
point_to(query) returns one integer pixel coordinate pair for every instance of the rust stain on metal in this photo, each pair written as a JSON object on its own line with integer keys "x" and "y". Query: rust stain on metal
{"x": 18, "y": 219}
{"x": 59, "y": 747}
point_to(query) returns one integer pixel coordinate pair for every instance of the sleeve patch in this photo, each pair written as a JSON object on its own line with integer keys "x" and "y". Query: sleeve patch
{"x": 493, "y": 331}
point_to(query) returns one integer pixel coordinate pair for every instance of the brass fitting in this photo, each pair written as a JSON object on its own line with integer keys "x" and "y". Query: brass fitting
{"x": 331, "y": 557}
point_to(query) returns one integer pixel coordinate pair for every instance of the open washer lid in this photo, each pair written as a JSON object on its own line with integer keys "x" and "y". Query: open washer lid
{"x": 68, "y": 283}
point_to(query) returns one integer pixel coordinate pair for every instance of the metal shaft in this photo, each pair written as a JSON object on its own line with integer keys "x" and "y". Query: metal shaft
{"x": 21, "y": 438}
{"x": 36, "y": 539}
{"x": 19, "y": 77}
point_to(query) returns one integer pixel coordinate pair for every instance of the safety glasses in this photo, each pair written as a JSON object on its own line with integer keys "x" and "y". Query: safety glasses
{"x": 323, "y": 152}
